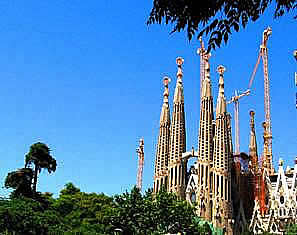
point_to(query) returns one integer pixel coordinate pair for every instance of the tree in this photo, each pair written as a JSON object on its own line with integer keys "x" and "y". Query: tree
{"x": 154, "y": 214}
{"x": 27, "y": 216}
{"x": 69, "y": 189}
{"x": 39, "y": 155}
{"x": 291, "y": 229}
{"x": 20, "y": 181}
{"x": 75, "y": 212}
{"x": 217, "y": 18}
{"x": 84, "y": 213}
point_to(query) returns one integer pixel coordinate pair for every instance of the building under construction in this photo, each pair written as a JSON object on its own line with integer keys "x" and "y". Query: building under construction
{"x": 232, "y": 190}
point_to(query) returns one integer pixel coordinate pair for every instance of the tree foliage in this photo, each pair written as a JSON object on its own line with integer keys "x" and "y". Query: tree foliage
{"x": 84, "y": 213}
{"x": 39, "y": 156}
{"x": 217, "y": 18}
{"x": 20, "y": 180}
{"x": 154, "y": 214}
{"x": 26, "y": 216}
{"x": 76, "y": 212}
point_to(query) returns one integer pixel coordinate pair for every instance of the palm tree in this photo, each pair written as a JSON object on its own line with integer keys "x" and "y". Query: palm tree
{"x": 21, "y": 181}
{"x": 39, "y": 155}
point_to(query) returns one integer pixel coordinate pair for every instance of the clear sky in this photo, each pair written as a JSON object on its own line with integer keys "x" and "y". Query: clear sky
{"x": 85, "y": 78}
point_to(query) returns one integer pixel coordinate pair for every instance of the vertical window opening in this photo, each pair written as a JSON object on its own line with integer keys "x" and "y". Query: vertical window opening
{"x": 226, "y": 189}
{"x": 179, "y": 175}
{"x": 206, "y": 172}
{"x": 210, "y": 182}
{"x": 175, "y": 175}
{"x": 222, "y": 182}
{"x": 217, "y": 184}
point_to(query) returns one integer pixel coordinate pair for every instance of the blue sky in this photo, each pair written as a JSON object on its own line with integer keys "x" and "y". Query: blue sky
{"x": 85, "y": 77}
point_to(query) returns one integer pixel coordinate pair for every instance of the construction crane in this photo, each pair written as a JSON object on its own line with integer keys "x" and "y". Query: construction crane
{"x": 235, "y": 100}
{"x": 263, "y": 54}
{"x": 140, "y": 153}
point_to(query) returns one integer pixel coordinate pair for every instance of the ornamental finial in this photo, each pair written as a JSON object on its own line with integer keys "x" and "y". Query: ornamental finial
{"x": 179, "y": 62}
{"x": 166, "y": 81}
{"x": 221, "y": 70}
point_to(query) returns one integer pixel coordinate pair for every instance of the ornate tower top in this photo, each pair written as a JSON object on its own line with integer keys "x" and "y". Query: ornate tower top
{"x": 204, "y": 69}
{"x": 166, "y": 81}
{"x": 179, "y": 62}
{"x": 165, "y": 113}
{"x": 178, "y": 93}
{"x": 206, "y": 86}
{"x": 221, "y": 102}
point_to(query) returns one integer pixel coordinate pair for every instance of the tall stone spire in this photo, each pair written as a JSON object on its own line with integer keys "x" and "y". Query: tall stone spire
{"x": 222, "y": 209}
{"x": 221, "y": 101}
{"x": 162, "y": 155}
{"x": 205, "y": 148}
{"x": 253, "y": 143}
{"x": 254, "y": 165}
{"x": 178, "y": 167}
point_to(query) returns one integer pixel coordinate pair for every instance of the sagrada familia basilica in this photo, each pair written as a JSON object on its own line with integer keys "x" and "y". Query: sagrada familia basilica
{"x": 233, "y": 191}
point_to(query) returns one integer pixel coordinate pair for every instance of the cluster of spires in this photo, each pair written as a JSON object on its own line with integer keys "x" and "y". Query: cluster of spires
{"x": 171, "y": 132}
{"x": 214, "y": 155}
{"x": 170, "y": 167}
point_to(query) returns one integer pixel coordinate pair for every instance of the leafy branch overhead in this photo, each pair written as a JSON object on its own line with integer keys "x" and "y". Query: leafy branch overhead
{"x": 217, "y": 18}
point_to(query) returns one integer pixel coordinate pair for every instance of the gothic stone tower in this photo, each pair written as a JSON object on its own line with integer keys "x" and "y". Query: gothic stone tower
{"x": 205, "y": 148}
{"x": 178, "y": 167}
{"x": 162, "y": 155}
{"x": 222, "y": 158}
